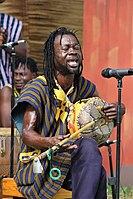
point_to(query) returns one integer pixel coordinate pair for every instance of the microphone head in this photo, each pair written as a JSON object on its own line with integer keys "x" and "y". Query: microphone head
{"x": 105, "y": 72}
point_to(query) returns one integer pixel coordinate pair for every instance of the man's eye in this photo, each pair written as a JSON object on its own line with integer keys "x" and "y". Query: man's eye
{"x": 65, "y": 48}
{"x": 21, "y": 74}
{"x": 77, "y": 47}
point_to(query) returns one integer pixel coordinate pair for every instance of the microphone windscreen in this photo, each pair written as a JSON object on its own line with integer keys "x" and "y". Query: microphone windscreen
{"x": 105, "y": 72}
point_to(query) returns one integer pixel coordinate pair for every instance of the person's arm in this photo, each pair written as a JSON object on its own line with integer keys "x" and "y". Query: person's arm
{"x": 3, "y": 36}
{"x": 31, "y": 138}
{"x": 5, "y": 107}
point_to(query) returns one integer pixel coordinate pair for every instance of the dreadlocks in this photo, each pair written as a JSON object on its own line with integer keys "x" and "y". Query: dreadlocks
{"x": 49, "y": 58}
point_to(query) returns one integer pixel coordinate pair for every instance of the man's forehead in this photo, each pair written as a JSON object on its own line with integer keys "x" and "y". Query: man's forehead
{"x": 65, "y": 38}
{"x": 21, "y": 67}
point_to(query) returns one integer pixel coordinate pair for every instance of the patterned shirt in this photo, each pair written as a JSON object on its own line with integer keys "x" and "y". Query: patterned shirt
{"x": 13, "y": 27}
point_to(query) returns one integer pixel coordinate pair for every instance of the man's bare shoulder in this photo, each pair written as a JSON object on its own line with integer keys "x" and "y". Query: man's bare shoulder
{"x": 5, "y": 92}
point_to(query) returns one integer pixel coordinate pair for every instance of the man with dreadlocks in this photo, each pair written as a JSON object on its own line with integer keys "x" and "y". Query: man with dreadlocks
{"x": 44, "y": 121}
{"x": 25, "y": 70}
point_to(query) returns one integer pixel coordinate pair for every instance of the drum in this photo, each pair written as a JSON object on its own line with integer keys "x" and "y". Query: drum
{"x": 5, "y": 150}
{"x": 88, "y": 110}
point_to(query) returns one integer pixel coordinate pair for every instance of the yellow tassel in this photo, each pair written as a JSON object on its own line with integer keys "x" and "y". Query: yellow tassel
{"x": 57, "y": 113}
{"x": 63, "y": 116}
{"x": 28, "y": 156}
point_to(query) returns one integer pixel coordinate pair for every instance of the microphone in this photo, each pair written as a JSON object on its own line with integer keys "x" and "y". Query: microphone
{"x": 117, "y": 73}
{"x": 12, "y": 44}
{"x": 108, "y": 142}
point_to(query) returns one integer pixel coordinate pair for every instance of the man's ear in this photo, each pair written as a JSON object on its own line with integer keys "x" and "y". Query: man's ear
{"x": 34, "y": 75}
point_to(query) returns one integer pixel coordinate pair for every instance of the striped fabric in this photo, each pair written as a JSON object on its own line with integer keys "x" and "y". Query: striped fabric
{"x": 36, "y": 93}
{"x": 13, "y": 27}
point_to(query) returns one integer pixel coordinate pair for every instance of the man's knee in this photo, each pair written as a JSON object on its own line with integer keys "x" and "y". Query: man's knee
{"x": 87, "y": 149}
{"x": 88, "y": 144}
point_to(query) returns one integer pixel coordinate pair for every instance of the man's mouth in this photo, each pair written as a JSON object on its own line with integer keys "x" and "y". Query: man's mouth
{"x": 72, "y": 63}
{"x": 18, "y": 85}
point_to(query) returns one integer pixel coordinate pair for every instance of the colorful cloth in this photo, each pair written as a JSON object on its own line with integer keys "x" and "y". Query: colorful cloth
{"x": 13, "y": 27}
{"x": 37, "y": 94}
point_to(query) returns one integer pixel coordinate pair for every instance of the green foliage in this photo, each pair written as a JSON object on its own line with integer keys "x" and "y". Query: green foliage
{"x": 125, "y": 192}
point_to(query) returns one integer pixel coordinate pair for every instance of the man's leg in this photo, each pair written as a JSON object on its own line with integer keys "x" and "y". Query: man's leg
{"x": 101, "y": 192}
{"x": 88, "y": 180}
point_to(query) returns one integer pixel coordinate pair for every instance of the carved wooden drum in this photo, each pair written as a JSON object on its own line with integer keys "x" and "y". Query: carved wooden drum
{"x": 5, "y": 150}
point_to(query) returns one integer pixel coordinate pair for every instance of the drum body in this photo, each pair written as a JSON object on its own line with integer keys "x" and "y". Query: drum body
{"x": 88, "y": 110}
{"x": 5, "y": 150}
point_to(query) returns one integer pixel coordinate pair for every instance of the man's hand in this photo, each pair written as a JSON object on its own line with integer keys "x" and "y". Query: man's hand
{"x": 3, "y": 36}
{"x": 56, "y": 141}
{"x": 110, "y": 110}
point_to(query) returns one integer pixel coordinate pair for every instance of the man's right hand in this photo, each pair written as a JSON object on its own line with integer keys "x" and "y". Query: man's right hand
{"x": 65, "y": 147}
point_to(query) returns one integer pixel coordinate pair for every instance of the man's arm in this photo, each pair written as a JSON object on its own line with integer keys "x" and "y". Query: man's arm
{"x": 5, "y": 107}
{"x": 31, "y": 138}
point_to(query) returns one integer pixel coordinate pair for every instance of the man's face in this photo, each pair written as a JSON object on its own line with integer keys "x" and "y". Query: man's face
{"x": 21, "y": 76}
{"x": 67, "y": 54}
{"x": 28, "y": 75}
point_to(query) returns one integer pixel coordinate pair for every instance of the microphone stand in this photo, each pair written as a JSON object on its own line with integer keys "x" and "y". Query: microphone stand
{"x": 111, "y": 179}
{"x": 119, "y": 78}
{"x": 13, "y": 54}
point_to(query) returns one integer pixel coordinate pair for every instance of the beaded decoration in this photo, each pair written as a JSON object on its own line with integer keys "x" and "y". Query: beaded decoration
{"x": 67, "y": 103}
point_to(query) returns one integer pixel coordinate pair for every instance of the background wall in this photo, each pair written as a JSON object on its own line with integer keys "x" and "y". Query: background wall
{"x": 108, "y": 42}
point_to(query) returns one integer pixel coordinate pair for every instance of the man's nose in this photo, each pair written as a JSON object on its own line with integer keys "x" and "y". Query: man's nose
{"x": 72, "y": 50}
{"x": 18, "y": 77}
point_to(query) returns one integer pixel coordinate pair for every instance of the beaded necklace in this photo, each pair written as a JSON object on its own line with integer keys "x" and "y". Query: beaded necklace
{"x": 70, "y": 104}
